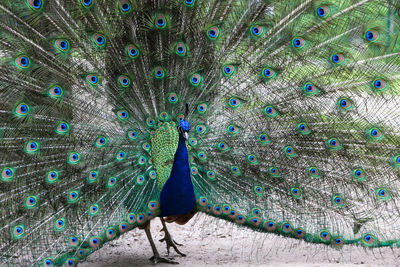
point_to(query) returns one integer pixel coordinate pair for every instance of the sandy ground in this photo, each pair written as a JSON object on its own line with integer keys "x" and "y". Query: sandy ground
{"x": 208, "y": 241}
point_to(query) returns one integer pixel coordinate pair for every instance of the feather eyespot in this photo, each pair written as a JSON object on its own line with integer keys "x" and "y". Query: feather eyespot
{"x": 154, "y": 205}
{"x": 379, "y": 85}
{"x": 338, "y": 201}
{"x": 213, "y": 33}
{"x": 193, "y": 141}
{"x": 160, "y": 22}
{"x": 62, "y": 128}
{"x": 256, "y": 212}
{"x": 101, "y": 141}
{"x": 95, "y": 242}
{"x": 371, "y": 36}
{"x": 140, "y": 179}
{"x": 286, "y": 227}
{"x": 368, "y": 239}
{"x": 333, "y": 144}
{"x": 310, "y": 89}
{"x": 374, "y": 134}
{"x": 264, "y": 139}
{"x": 92, "y": 176}
{"x": 73, "y": 196}
{"x": 48, "y": 262}
{"x": 296, "y": 192}
{"x": 210, "y": 175}
{"x": 55, "y": 92}
{"x": 111, "y": 233}
{"x": 228, "y": 70}
{"x": 194, "y": 170}
{"x": 99, "y": 40}
{"x": 94, "y": 210}
{"x": 345, "y": 103}
{"x": 132, "y": 135}
{"x": 173, "y": 98}
{"x": 202, "y": 156}
{"x": 189, "y": 3}
{"x": 120, "y": 155}
{"x": 52, "y": 176}
{"x": 59, "y": 224}
{"x": 232, "y": 129}
{"x": 382, "y": 193}
{"x": 202, "y": 108}
{"x": 234, "y": 102}
{"x": 298, "y": 43}
{"x": 359, "y": 174}
{"x": 203, "y": 201}
{"x": 92, "y": 79}
{"x": 112, "y": 182}
{"x": 35, "y": 5}
{"x": 201, "y": 129}
{"x": 73, "y": 241}
{"x": 289, "y": 151}
{"x": 124, "y": 81}
{"x": 132, "y": 51}
{"x": 31, "y": 147}
{"x": 235, "y": 170}
{"x": 252, "y": 159}
{"x": 222, "y": 146}
{"x": 196, "y": 79}
{"x": 270, "y": 225}
{"x": 259, "y": 190}
{"x": 274, "y": 172}
{"x": 303, "y": 129}
{"x": 325, "y": 236}
{"x": 87, "y": 3}
{"x": 256, "y": 31}
{"x": 123, "y": 115}
{"x": 22, "y": 110}
{"x": 181, "y": 49}
{"x": 18, "y": 231}
{"x": 314, "y": 172}
{"x": 7, "y": 174}
{"x": 31, "y": 202}
{"x": 299, "y": 233}
{"x": 124, "y": 6}
{"x": 142, "y": 160}
{"x": 270, "y": 111}
{"x": 338, "y": 242}
{"x": 159, "y": 73}
{"x": 268, "y": 73}
{"x": 62, "y": 45}
{"x": 74, "y": 158}
{"x": 337, "y": 59}
{"x": 322, "y": 12}
{"x": 22, "y": 62}
{"x": 123, "y": 227}
{"x": 131, "y": 218}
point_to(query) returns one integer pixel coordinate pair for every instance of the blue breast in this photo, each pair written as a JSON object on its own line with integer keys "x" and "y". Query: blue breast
{"x": 177, "y": 195}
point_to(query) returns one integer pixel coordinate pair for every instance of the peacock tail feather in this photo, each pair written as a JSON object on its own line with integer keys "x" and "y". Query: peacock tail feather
{"x": 293, "y": 107}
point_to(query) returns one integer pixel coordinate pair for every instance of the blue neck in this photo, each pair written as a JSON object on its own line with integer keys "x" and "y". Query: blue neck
{"x": 177, "y": 195}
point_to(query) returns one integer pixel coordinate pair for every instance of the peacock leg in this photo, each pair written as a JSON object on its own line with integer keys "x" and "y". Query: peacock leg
{"x": 168, "y": 239}
{"x": 156, "y": 258}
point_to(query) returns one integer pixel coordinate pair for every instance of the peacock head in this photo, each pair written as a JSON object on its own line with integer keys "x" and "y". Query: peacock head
{"x": 184, "y": 128}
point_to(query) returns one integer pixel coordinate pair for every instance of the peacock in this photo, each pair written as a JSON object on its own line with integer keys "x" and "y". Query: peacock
{"x": 281, "y": 116}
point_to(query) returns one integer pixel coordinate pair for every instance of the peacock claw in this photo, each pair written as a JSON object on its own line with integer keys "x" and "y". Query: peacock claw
{"x": 169, "y": 241}
{"x": 158, "y": 259}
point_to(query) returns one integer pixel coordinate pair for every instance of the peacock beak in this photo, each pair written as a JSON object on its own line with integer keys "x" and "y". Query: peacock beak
{"x": 186, "y": 135}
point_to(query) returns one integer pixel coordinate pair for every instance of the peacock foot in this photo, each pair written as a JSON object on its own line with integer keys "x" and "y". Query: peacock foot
{"x": 169, "y": 241}
{"x": 158, "y": 259}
